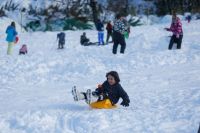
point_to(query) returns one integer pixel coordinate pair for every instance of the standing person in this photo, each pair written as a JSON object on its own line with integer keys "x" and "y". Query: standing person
{"x": 100, "y": 29}
{"x": 176, "y": 29}
{"x": 118, "y": 35}
{"x": 61, "y": 40}
{"x": 11, "y": 37}
{"x": 109, "y": 29}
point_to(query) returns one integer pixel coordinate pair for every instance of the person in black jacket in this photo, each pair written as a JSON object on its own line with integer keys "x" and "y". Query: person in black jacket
{"x": 112, "y": 90}
{"x": 61, "y": 40}
{"x": 84, "y": 40}
{"x": 119, "y": 30}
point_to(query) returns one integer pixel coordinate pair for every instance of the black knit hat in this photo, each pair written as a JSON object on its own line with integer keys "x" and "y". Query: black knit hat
{"x": 115, "y": 75}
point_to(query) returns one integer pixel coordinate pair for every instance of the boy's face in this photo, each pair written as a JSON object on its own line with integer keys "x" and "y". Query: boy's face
{"x": 111, "y": 80}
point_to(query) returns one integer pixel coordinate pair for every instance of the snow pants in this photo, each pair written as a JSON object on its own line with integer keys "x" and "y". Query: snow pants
{"x": 118, "y": 38}
{"x": 175, "y": 40}
{"x": 101, "y": 37}
{"x": 10, "y": 48}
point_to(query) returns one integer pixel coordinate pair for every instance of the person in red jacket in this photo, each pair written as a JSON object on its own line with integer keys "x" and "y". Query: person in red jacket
{"x": 176, "y": 29}
{"x": 109, "y": 29}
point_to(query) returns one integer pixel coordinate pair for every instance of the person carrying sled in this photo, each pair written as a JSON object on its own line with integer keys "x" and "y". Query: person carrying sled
{"x": 118, "y": 35}
{"x": 176, "y": 29}
{"x": 108, "y": 93}
{"x": 11, "y": 37}
{"x": 84, "y": 40}
{"x": 100, "y": 29}
{"x": 109, "y": 29}
{"x": 61, "y": 40}
{"x": 23, "y": 50}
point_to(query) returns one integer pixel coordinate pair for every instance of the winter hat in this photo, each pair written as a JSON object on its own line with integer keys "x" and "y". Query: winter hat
{"x": 114, "y": 74}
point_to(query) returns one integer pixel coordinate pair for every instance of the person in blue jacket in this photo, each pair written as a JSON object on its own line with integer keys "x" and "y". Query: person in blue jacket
{"x": 100, "y": 29}
{"x": 11, "y": 37}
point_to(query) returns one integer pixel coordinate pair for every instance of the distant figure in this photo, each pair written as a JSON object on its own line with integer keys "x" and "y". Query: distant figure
{"x": 109, "y": 29}
{"x": 11, "y": 37}
{"x": 176, "y": 29}
{"x": 23, "y": 50}
{"x": 61, "y": 40}
{"x": 100, "y": 29}
{"x": 84, "y": 40}
{"x": 189, "y": 18}
{"x": 118, "y": 35}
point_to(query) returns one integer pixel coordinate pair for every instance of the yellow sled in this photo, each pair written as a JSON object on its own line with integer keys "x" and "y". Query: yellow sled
{"x": 105, "y": 104}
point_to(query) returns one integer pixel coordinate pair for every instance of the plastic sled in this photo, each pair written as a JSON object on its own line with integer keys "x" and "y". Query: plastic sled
{"x": 105, "y": 104}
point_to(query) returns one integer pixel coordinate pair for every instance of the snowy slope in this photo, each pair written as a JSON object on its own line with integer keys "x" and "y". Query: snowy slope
{"x": 163, "y": 86}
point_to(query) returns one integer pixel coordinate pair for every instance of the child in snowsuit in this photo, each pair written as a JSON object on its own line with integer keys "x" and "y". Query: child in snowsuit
{"x": 109, "y": 29}
{"x": 100, "y": 29}
{"x": 109, "y": 93}
{"x": 11, "y": 37}
{"x": 84, "y": 40}
{"x": 23, "y": 50}
{"x": 176, "y": 29}
{"x": 61, "y": 40}
{"x": 118, "y": 35}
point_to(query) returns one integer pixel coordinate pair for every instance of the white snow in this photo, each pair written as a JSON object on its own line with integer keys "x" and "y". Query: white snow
{"x": 163, "y": 86}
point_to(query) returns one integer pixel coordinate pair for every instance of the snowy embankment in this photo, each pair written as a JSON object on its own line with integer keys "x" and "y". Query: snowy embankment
{"x": 163, "y": 86}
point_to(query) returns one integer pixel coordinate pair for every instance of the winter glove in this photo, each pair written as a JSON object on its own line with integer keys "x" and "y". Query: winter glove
{"x": 125, "y": 103}
{"x": 95, "y": 93}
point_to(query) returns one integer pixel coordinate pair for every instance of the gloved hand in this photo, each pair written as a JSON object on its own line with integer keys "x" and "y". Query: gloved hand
{"x": 95, "y": 93}
{"x": 125, "y": 103}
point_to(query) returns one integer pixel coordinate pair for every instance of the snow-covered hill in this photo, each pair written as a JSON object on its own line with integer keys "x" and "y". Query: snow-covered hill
{"x": 163, "y": 86}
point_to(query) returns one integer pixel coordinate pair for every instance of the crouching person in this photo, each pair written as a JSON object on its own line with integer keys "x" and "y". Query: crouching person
{"x": 84, "y": 40}
{"x": 23, "y": 50}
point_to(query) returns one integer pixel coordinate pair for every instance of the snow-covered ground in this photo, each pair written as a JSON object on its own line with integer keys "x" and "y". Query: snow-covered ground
{"x": 163, "y": 86}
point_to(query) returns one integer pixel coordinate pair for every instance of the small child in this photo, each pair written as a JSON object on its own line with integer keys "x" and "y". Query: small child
{"x": 23, "y": 50}
{"x": 108, "y": 93}
{"x": 61, "y": 40}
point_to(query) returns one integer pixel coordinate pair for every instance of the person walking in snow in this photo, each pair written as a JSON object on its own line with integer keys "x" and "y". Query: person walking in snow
{"x": 118, "y": 35}
{"x": 23, "y": 50}
{"x": 61, "y": 40}
{"x": 176, "y": 29}
{"x": 11, "y": 37}
{"x": 100, "y": 29}
{"x": 109, "y": 29}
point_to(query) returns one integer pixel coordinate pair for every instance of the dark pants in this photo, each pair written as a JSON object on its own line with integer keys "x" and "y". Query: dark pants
{"x": 175, "y": 40}
{"x": 20, "y": 53}
{"x": 61, "y": 45}
{"x": 118, "y": 38}
{"x": 108, "y": 36}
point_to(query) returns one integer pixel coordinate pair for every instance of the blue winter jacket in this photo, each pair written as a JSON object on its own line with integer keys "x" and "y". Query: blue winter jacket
{"x": 11, "y": 34}
{"x": 100, "y": 26}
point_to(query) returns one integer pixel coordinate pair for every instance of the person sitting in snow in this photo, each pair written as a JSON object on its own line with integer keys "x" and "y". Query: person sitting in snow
{"x": 23, "y": 50}
{"x": 109, "y": 93}
{"x": 84, "y": 40}
{"x": 61, "y": 40}
{"x": 176, "y": 28}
